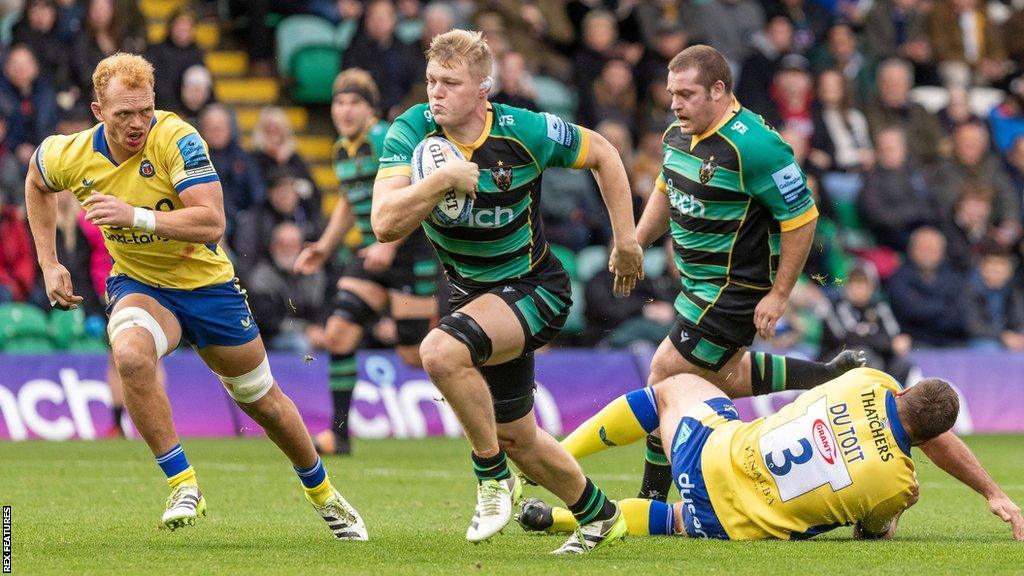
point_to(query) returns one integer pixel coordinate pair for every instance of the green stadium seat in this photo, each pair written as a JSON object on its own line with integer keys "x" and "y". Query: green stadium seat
{"x": 20, "y": 321}
{"x": 28, "y": 345}
{"x": 409, "y": 31}
{"x": 313, "y": 69}
{"x": 299, "y": 31}
{"x": 576, "y": 320}
{"x": 88, "y": 344}
{"x": 344, "y": 33}
{"x": 654, "y": 261}
{"x": 568, "y": 259}
{"x": 590, "y": 261}
{"x": 555, "y": 97}
{"x": 66, "y": 327}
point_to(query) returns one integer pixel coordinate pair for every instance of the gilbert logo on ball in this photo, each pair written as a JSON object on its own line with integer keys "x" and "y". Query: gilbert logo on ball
{"x": 454, "y": 208}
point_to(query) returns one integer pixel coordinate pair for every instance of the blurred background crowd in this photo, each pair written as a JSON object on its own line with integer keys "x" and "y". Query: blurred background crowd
{"x": 906, "y": 115}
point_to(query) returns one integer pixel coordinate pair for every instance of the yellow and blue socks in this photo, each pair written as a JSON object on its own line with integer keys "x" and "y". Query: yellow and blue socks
{"x": 341, "y": 378}
{"x": 657, "y": 471}
{"x": 774, "y": 373}
{"x": 592, "y": 505}
{"x": 175, "y": 465}
{"x": 625, "y": 420}
{"x": 315, "y": 483}
{"x": 647, "y": 517}
{"x": 492, "y": 467}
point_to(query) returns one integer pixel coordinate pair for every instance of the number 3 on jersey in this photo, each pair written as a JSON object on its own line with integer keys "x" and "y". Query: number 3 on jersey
{"x": 802, "y": 454}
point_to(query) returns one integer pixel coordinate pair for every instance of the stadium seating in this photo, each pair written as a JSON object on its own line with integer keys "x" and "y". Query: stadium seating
{"x": 23, "y": 329}
{"x": 297, "y": 32}
{"x": 567, "y": 258}
{"x": 68, "y": 332}
{"x": 409, "y": 31}
{"x": 555, "y": 97}
{"x": 590, "y": 261}
{"x": 576, "y": 321}
{"x": 313, "y": 69}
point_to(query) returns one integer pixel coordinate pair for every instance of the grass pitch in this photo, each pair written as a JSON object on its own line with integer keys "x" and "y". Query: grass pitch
{"x": 93, "y": 508}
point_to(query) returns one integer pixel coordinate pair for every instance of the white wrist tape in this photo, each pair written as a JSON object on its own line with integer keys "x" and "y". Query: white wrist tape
{"x": 144, "y": 220}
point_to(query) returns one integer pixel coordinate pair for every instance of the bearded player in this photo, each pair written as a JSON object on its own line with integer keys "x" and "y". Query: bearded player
{"x": 510, "y": 294}
{"x": 145, "y": 178}
{"x": 742, "y": 221}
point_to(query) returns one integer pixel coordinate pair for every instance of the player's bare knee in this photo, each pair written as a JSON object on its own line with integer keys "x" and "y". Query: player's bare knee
{"x": 519, "y": 443}
{"x": 135, "y": 366}
{"x": 441, "y": 355}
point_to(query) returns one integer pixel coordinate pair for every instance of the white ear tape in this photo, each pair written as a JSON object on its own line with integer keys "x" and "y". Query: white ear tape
{"x": 487, "y": 84}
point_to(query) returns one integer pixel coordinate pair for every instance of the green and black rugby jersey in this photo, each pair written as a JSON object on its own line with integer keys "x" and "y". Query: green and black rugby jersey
{"x": 355, "y": 164}
{"x": 503, "y": 238}
{"x": 732, "y": 191}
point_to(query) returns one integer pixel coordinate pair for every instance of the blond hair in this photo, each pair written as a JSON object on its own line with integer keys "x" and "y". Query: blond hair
{"x": 273, "y": 115}
{"x": 133, "y": 70}
{"x": 358, "y": 81}
{"x": 462, "y": 47}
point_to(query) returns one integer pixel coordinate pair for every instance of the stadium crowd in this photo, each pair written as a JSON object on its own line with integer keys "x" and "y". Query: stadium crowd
{"x": 906, "y": 115}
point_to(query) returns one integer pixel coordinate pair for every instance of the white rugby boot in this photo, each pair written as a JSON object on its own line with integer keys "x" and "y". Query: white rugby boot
{"x": 343, "y": 520}
{"x": 495, "y": 500}
{"x": 184, "y": 505}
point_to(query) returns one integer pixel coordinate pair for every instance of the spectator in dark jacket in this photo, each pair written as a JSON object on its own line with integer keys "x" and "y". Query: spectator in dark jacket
{"x": 758, "y": 69}
{"x": 391, "y": 62}
{"x": 861, "y": 320}
{"x": 28, "y": 102}
{"x": 39, "y": 31}
{"x": 173, "y": 56}
{"x": 287, "y": 307}
{"x": 103, "y": 34}
{"x": 514, "y": 82}
{"x": 926, "y": 293}
{"x": 239, "y": 175}
{"x": 973, "y": 161}
{"x": 275, "y": 151}
{"x": 254, "y": 228}
{"x": 894, "y": 78}
{"x": 967, "y": 230}
{"x": 895, "y": 199}
{"x": 994, "y": 304}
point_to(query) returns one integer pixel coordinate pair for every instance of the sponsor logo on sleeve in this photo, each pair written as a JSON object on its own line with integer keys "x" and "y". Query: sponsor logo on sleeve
{"x": 789, "y": 182}
{"x": 560, "y": 131}
{"x": 193, "y": 154}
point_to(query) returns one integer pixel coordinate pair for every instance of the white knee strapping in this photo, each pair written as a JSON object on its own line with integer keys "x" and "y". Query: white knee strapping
{"x": 134, "y": 317}
{"x": 251, "y": 386}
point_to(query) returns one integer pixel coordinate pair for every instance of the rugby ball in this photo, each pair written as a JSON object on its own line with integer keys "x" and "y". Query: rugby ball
{"x": 454, "y": 208}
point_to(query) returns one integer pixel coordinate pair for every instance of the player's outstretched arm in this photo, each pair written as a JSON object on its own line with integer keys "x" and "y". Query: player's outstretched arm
{"x": 313, "y": 256}
{"x": 950, "y": 453}
{"x": 654, "y": 221}
{"x": 627, "y": 257}
{"x": 41, "y": 203}
{"x": 399, "y": 205}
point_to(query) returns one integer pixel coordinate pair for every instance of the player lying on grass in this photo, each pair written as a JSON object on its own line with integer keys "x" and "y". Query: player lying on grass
{"x": 838, "y": 455}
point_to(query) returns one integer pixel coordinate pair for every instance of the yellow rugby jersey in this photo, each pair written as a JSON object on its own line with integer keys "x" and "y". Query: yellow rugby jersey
{"x": 174, "y": 158}
{"x": 835, "y": 456}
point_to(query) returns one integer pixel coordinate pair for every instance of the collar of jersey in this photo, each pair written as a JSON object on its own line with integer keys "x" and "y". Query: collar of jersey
{"x": 352, "y": 146}
{"x": 99, "y": 142}
{"x": 725, "y": 118}
{"x": 467, "y": 149}
{"x": 895, "y": 425}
